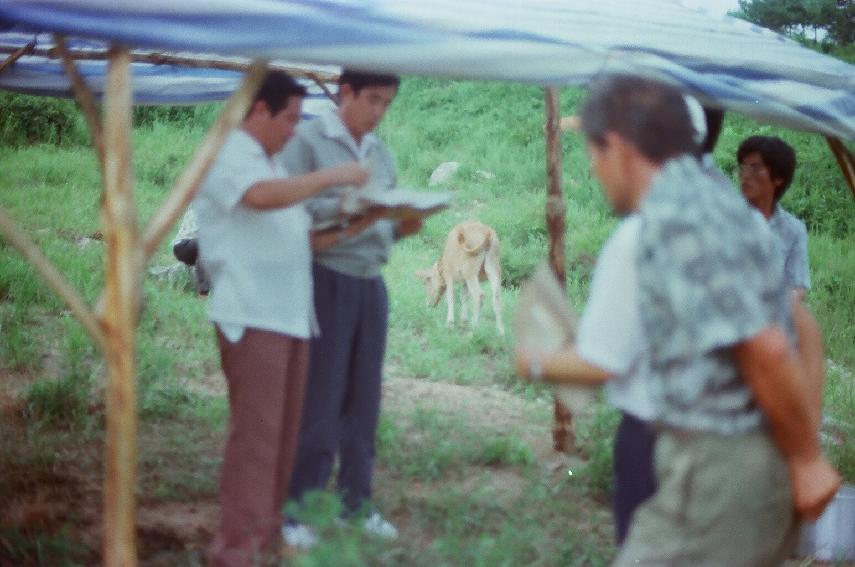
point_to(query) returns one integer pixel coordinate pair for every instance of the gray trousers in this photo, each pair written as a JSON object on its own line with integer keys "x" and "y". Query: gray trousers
{"x": 342, "y": 401}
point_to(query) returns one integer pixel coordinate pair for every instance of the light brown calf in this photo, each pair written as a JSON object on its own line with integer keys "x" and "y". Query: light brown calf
{"x": 471, "y": 255}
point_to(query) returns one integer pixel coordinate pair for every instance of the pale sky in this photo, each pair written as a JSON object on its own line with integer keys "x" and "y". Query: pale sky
{"x": 717, "y": 6}
{"x": 722, "y": 5}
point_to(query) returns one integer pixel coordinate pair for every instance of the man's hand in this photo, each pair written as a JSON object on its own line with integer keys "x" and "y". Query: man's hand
{"x": 359, "y": 223}
{"x": 349, "y": 174}
{"x": 409, "y": 226}
{"x": 524, "y": 362}
{"x": 814, "y": 484}
{"x": 783, "y": 394}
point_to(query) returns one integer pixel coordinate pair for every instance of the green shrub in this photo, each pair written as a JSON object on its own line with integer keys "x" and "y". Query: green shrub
{"x": 26, "y": 120}
{"x": 58, "y": 403}
{"x": 149, "y": 115}
{"x": 19, "y": 547}
{"x": 504, "y": 451}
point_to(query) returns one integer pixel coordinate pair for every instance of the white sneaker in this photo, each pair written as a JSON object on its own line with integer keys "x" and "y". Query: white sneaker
{"x": 299, "y": 536}
{"x": 377, "y": 526}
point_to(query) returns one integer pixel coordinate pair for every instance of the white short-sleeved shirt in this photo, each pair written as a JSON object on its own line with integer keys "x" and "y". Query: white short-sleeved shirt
{"x": 259, "y": 261}
{"x": 610, "y": 334}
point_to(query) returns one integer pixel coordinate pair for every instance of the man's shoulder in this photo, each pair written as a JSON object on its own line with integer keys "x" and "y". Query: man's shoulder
{"x": 310, "y": 128}
{"x": 789, "y": 220}
{"x": 624, "y": 239}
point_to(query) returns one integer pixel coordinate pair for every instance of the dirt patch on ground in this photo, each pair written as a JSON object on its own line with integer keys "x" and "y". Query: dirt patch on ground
{"x": 65, "y": 494}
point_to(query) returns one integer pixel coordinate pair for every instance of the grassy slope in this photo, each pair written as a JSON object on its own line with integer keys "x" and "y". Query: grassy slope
{"x": 428, "y": 454}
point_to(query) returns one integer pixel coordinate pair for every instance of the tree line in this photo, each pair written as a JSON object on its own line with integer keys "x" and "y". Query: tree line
{"x": 833, "y": 20}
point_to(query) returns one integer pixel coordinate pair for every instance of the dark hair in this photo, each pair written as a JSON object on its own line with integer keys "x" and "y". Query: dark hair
{"x": 651, "y": 115}
{"x": 358, "y": 80}
{"x": 776, "y": 154}
{"x": 715, "y": 119}
{"x": 276, "y": 89}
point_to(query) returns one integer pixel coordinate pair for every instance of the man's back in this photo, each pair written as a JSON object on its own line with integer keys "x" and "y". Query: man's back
{"x": 709, "y": 277}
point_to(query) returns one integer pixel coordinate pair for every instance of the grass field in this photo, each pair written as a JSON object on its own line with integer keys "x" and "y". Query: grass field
{"x": 465, "y": 465}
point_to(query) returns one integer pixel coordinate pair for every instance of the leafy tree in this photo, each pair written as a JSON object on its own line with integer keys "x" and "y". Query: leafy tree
{"x": 835, "y": 17}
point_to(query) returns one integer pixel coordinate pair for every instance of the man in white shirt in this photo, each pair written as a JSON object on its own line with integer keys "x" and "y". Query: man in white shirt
{"x": 254, "y": 241}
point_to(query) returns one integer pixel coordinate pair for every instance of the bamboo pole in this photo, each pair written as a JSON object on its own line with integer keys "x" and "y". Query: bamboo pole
{"x": 122, "y": 283}
{"x": 19, "y": 239}
{"x": 562, "y": 438}
{"x": 323, "y": 86}
{"x": 17, "y": 54}
{"x": 190, "y": 61}
{"x": 845, "y": 159}
{"x": 188, "y": 182}
{"x": 84, "y": 97}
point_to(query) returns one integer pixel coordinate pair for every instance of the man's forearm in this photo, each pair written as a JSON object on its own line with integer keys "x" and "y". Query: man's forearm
{"x": 280, "y": 193}
{"x": 812, "y": 358}
{"x": 562, "y": 367}
{"x": 780, "y": 390}
{"x": 773, "y": 374}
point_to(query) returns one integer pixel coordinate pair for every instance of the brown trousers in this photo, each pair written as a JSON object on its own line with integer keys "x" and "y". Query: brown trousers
{"x": 266, "y": 375}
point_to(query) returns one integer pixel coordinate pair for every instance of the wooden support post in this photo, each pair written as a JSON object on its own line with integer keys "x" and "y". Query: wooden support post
{"x": 17, "y": 54}
{"x": 84, "y": 97}
{"x": 562, "y": 438}
{"x": 323, "y": 87}
{"x": 123, "y": 284}
{"x": 188, "y": 182}
{"x": 845, "y": 159}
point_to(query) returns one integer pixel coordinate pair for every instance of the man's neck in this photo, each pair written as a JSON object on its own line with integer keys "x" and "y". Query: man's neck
{"x": 357, "y": 136}
{"x": 642, "y": 178}
{"x": 251, "y": 129}
{"x": 766, "y": 207}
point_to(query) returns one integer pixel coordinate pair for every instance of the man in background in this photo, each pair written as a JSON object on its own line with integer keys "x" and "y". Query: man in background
{"x": 185, "y": 246}
{"x": 766, "y": 168}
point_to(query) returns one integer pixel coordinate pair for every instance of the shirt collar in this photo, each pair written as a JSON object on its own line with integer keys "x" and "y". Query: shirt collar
{"x": 333, "y": 127}
{"x": 776, "y": 214}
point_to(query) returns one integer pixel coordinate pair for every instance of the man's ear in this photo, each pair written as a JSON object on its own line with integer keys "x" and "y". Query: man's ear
{"x": 345, "y": 91}
{"x": 257, "y": 107}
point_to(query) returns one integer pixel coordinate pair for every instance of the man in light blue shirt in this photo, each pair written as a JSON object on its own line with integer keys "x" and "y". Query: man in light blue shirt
{"x": 766, "y": 168}
{"x": 342, "y": 403}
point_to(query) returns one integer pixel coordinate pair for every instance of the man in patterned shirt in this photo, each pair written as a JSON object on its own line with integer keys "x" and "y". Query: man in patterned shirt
{"x": 736, "y": 452}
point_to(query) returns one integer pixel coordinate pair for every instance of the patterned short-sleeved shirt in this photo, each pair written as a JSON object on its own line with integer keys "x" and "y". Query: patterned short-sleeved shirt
{"x": 792, "y": 240}
{"x": 709, "y": 277}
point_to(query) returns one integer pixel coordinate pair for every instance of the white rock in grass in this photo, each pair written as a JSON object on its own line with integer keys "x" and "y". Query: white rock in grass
{"x": 486, "y": 175}
{"x": 443, "y": 173}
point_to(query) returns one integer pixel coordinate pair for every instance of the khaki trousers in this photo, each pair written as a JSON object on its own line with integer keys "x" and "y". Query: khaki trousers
{"x": 266, "y": 375}
{"x": 722, "y": 501}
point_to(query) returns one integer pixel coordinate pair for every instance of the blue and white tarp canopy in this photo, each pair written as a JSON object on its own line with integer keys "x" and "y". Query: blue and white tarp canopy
{"x": 721, "y": 60}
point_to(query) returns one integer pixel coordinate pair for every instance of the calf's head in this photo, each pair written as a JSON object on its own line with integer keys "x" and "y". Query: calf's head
{"x": 434, "y": 284}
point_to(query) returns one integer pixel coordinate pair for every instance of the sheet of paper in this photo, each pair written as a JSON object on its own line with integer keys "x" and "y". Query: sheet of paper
{"x": 545, "y": 323}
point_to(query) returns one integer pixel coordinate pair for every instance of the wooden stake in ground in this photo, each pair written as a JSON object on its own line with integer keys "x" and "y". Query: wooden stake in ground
{"x": 555, "y": 212}
{"x": 123, "y": 286}
{"x": 845, "y": 159}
